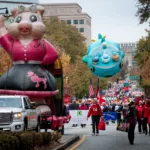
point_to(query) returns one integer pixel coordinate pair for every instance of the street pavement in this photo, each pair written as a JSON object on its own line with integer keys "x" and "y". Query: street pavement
{"x": 111, "y": 139}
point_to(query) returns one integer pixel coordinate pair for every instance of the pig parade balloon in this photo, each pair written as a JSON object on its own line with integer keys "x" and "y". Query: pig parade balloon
{"x": 29, "y": 52}
{"x": 104, "y": 58}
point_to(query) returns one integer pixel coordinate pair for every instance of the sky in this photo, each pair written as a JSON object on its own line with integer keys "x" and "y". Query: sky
{"x": 114, "y": 18}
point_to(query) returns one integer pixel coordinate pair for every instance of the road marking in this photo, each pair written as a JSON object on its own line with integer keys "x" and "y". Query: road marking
{"x": 78, "y": 143}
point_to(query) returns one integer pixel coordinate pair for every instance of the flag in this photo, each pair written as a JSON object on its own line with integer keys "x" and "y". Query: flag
{"x": 97, "y": 89}
{"x": 101, "y": 100}
{"x": 91, "y": 89}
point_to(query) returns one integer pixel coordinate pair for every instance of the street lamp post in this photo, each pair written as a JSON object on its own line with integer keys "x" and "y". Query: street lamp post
{"x": 8, "y": 17}
{"x": 6, "y": 14}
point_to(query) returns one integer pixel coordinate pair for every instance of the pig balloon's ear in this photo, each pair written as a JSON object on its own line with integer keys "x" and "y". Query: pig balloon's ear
{"x": 33, "y": 8}
{"x": 14, "y": 12}
{"x": 40, "y": 10}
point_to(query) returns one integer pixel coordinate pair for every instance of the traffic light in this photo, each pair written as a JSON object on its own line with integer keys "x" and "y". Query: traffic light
{"x": 67, "y": 79}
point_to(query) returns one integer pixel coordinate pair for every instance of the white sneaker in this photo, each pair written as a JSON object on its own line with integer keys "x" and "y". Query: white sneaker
{"x": 93, "y": 134}
{"x": 97, "y": 134}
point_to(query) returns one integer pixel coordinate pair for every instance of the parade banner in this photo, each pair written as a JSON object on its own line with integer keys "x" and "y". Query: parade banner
{"x": 108, "y": 116}
{"x": 79, "y": 117}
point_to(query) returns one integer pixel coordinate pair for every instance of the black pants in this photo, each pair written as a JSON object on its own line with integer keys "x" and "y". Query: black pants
{"x": 95, "y": 122}
{"x": 145, "y": 126}
{"x": 118, "y": 117}
{"x": 131, "y": 133}
{"x": 83, "y": 125}
{"x": 140, "y": 125}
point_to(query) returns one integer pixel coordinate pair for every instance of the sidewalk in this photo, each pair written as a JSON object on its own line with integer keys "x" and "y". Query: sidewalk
{"x": 66, "y": 141}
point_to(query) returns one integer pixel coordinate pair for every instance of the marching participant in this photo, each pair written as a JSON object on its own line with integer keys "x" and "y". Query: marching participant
{"x": 96, "y": 113}
{"x": 140, "y": 111}
{"x": 146, "y": 116}
{"x": 131, "y": 119}
{"x": 83, "y": 107}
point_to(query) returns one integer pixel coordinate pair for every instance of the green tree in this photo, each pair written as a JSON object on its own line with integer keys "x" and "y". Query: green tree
{"x": 143, "y": 10}
{"x": 65, "y": 37}
{"x": 142, "y": 58}
{"x": 79, "y": 79}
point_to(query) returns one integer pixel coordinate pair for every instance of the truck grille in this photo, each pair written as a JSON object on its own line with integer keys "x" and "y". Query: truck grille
{"x": 5, "y": 118}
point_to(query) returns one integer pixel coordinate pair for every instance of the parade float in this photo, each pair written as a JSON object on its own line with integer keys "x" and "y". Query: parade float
{"x": 37, "y": 70}
{"x": 104, "y": 58}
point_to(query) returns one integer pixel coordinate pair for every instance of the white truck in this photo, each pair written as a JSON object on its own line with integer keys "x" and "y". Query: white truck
{"x": 17, "y": 114}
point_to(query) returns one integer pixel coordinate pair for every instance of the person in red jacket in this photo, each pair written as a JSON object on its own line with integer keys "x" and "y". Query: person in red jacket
{"x": 96, "y": 112}
{"x": 83, "y": 107}
{"x": 140, "y": 111}
{"x": 146, "y": 115}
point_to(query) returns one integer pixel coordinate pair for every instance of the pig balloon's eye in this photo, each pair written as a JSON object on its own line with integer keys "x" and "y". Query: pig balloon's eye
{"x": 18, "y": 19}
{"x": 33, "y": 18}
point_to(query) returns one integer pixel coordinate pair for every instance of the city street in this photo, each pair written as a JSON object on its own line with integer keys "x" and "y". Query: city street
{"x": 109, "y": 139}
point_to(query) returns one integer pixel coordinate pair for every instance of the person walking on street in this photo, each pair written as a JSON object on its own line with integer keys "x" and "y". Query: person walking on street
{"x": 140, "y": 112}
{"x": 96, "y": 113}
{"x": 74, "y": 106}
{"x": 146, "y": 115}
{"x": 104, "y": 109}
{"x": 131, "y": 120}
{"x": 112, "y": 109}
{"x": 83, "y": 107}
{"x": 119, "y": 109}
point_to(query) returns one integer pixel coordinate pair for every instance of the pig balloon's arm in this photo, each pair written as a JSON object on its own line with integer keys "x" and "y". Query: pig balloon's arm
{"x": 5, "y": 38}
{"x": 51, "y": 54}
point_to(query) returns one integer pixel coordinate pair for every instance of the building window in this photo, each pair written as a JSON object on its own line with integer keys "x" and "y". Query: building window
{"x": 81, "y": 21}
{"x": 68, "y": 21}
{"x": 81, "y": 29}
{"x": 75, "y": 21}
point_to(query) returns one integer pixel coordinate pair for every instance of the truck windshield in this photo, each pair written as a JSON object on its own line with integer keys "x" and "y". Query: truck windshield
{"x": 11, "y": 102}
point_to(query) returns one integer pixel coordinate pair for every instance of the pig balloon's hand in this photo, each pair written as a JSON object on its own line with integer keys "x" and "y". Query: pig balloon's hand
{"x": 1, "y": 21}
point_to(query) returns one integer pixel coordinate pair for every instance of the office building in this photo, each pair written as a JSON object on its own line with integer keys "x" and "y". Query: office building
{"x": 130, "y": 51}
{"x": 71, "y": 13}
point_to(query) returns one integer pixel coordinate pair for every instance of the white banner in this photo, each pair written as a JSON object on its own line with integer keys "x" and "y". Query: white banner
{"x": 79, "y": 117}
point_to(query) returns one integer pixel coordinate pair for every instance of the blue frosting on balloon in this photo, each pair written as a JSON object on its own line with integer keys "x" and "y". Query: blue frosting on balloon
{"x": 104, "y": 58}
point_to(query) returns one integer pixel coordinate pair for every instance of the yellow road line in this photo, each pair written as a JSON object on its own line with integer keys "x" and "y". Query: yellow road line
{"x": 78, "y": 143}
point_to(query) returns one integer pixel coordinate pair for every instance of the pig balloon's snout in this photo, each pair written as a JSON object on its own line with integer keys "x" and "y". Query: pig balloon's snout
{"x": 25, "y": 28}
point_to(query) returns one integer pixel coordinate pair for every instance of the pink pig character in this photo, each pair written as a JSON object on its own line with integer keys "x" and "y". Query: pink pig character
{"x": 29, "y": 51}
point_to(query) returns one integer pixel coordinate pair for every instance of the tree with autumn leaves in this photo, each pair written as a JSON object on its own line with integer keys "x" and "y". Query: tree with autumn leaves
{"x": 143, "y": 61}
{"x": 143, "y": 47}
{"x": 5, "y": 61}
{"x": 71, "y": 47}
